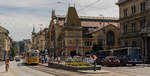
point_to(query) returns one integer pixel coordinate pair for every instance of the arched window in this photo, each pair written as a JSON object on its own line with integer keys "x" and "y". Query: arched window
{"x": 110, "y": 38}
{"x": 100, "y": 41}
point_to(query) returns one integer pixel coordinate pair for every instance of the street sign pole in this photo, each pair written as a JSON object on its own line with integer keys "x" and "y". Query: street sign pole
{"x": 94, "y": 65}
{"x": 94, "y": 57}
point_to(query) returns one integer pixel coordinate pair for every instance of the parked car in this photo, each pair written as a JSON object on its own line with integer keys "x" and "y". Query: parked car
{"x": 17, "y": 58}
{"x": 11, "y": 58}
{"x": 99, "y": 59}
{"x": 110, "y": 61}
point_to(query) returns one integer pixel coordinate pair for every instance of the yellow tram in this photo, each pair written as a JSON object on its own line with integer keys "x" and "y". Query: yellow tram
{"x": 32, "y": 57}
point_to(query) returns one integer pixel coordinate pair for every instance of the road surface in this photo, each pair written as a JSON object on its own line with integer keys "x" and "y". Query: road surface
{"x": 16, "y": 69}
{"x": 130, "y": 70}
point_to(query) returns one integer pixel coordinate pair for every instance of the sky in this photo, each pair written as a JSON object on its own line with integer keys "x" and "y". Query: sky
{"x": 20, "y": 16}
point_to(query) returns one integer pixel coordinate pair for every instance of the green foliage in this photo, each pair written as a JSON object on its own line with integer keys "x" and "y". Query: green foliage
{"x": 13, "y": 51}
{"x": 78, "y": 64}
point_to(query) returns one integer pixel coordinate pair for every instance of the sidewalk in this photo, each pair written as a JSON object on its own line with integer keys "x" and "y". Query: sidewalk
{"x": 93, "y": 72}
{"x": 1, "y": 63}
{"x": 4, "y": 73}
{"x": 45, "y": 64}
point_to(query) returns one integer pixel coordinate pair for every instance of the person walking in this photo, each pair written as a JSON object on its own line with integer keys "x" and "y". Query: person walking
{"x": 58, "y": 59}
{"x": 7, "y": 63}
{"x": 42, "y": 60}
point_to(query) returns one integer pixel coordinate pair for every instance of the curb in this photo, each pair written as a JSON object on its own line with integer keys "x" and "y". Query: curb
{"x": 93, "y": 72}
{"x": 70, "y": 68}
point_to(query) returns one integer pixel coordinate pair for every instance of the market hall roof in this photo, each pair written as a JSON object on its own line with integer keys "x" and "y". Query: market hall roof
{"x": 90, "y": 21}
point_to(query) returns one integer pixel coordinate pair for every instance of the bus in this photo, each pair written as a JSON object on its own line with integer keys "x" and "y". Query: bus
{"x": 131, "y": 54}
{"x": 32, "y": 57}
{"x": 104, "y": 53}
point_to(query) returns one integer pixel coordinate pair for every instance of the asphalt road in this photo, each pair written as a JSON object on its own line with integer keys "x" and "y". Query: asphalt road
{"x": 138, "y": 70}
{"x": 17, "y": 69}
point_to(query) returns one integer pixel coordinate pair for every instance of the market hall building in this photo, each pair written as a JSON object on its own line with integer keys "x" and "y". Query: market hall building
{"x": 73, "y": 34}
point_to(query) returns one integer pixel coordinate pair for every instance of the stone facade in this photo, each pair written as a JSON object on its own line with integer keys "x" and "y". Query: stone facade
{"x": 5, "y": 42}
{"x": 27, "y": 45}
{"x": 135, "y": 25}
{"x": 73, "y": 34}
{"x": 39, "y": 40}
{"x": 107, "y": 37}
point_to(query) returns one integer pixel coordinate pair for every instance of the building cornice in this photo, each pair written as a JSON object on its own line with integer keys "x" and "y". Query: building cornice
{"x": 122, "y": 1}
{"x": 134, "y": 17}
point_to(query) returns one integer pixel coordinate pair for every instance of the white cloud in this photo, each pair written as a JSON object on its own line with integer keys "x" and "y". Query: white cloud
{"x": 20, "y": 22}
{"x": 20, "y": 25}
{"x": 22, "y": 3}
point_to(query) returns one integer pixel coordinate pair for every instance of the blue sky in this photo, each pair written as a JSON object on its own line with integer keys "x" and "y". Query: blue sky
{"x": 19, "y": 16}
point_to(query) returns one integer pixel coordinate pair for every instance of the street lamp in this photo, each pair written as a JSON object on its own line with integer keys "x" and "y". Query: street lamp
{"x": 104, "y": 40}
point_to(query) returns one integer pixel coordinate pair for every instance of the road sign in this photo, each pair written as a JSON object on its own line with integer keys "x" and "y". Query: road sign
{"x": 94, "y": 57}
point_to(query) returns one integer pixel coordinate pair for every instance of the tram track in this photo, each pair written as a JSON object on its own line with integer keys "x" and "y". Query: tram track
{"x": 48, "y": 70}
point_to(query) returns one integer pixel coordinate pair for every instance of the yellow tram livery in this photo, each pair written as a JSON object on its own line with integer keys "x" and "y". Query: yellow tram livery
{"x": 32, "y": 57}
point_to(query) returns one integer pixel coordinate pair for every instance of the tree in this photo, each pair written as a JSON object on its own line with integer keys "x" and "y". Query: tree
{"x": 13, "y": 52}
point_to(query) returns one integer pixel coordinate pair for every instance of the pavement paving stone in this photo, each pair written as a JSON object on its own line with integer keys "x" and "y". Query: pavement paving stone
{"x": 1, "y": 63}
{"x": 4, "y": 73}
{"x": 94, "y": 72}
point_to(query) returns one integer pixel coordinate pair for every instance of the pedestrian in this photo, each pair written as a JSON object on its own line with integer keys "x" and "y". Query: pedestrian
{"x": 45, "y": 59}
{"x": 58, "y": 59}
{"x": 7, "y": 63}
{"x": 42, "y": 60}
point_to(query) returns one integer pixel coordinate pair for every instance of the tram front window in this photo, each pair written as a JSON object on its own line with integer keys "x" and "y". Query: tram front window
{"x": 34, "y": 55}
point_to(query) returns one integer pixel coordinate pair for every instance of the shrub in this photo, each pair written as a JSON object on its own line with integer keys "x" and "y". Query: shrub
{"x": 78, "y": 64}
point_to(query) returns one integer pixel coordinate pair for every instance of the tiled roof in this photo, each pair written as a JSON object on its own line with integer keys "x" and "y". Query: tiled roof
{"x": 116, "y": 25}
{"x": 91, "y": 23}
{"x": 91, "y": 17}
{"x": 72, "y": 18}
